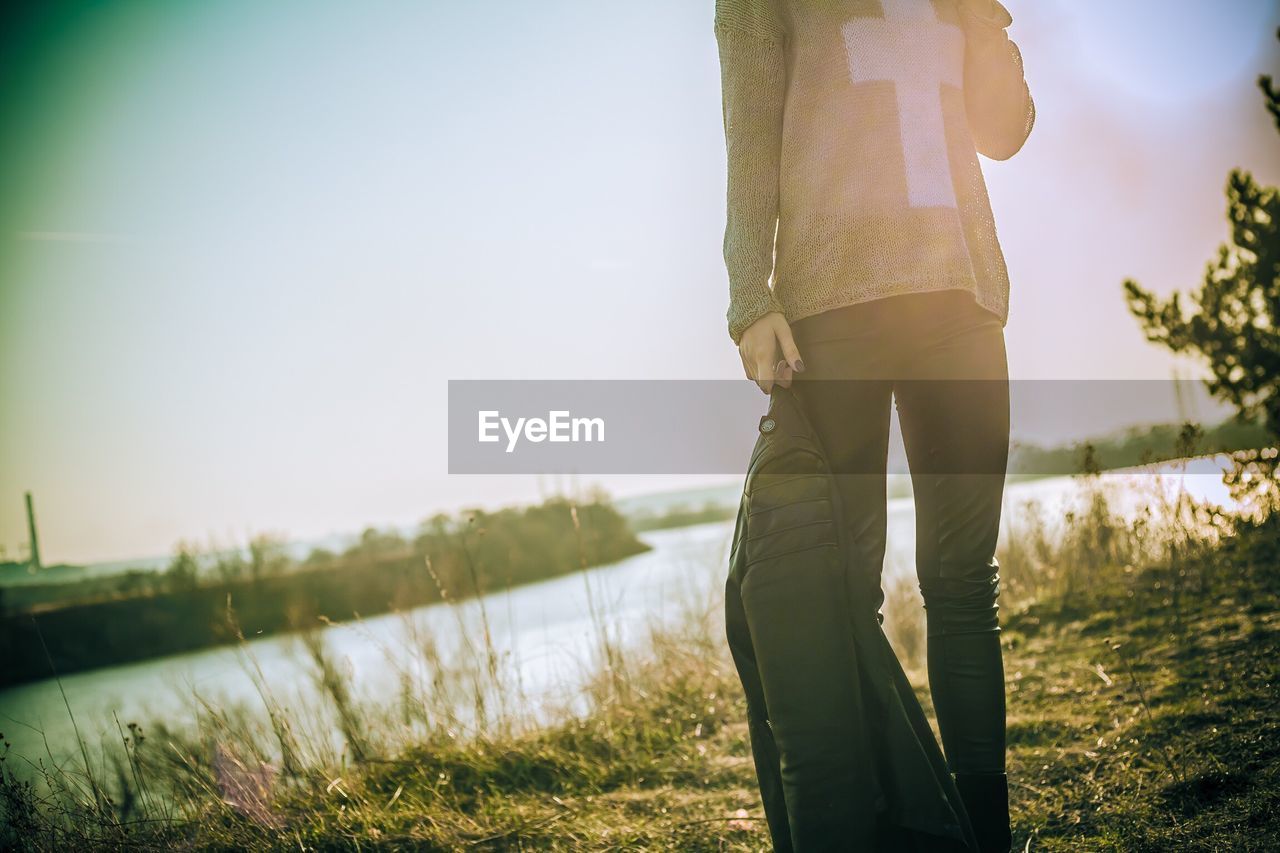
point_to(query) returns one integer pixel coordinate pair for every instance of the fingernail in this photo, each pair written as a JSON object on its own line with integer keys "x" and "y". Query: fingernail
{"x": 798, "y": 367}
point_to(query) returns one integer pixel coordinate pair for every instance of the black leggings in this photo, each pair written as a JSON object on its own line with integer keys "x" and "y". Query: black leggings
{"x": 941, "y": 357}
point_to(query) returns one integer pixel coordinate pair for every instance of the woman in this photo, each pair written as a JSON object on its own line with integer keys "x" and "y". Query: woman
{"x": 863, "y": 263}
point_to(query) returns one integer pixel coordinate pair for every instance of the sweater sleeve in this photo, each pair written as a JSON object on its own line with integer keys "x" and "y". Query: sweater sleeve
{"x": 750, "y": 37}
{"x": 1001, "y": 111}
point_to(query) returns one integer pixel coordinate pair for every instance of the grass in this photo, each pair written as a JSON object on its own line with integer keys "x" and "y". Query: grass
{"x": 1141, "y": 661}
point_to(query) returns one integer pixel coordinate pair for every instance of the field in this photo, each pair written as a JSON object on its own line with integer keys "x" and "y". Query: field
{"x": 1141, "y": 662}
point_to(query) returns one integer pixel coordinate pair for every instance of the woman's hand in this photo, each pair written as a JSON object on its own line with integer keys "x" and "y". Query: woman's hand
{"x": 769, "y": 353}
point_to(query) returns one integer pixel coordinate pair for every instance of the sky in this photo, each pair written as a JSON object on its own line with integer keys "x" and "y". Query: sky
{"x": 245, "y": 245}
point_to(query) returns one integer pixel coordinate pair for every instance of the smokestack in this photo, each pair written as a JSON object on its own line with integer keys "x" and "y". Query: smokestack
{"x": 31, "y": 530}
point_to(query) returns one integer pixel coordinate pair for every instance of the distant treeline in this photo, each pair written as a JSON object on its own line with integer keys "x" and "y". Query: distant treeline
{"x": 195, "y": 604}
{"x": 682, "y": 515}
{"x": 1138, "y": 446}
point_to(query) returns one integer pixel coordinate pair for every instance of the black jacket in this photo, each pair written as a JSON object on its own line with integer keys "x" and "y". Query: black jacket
{"x": 843, "y": 752}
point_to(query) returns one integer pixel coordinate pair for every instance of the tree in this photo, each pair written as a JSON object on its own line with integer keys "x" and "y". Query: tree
{"x": 228, "y": 563}
{"x": 268, "y": 556}
{"x": 1232, "y": 322}
{"x": 183, "y": 573}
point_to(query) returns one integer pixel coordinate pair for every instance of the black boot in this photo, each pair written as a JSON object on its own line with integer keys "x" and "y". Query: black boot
{"x": 986, "y": 798}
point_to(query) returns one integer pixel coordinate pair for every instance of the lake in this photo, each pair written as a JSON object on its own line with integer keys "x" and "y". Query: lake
{"x": 545, "y": 637}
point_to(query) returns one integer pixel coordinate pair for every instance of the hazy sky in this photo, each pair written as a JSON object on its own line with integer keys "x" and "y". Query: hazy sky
{"x": 245, "y": 244}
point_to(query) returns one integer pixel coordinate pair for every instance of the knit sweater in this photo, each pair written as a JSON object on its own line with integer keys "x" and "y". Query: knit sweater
{"x": 852, "y": 129}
